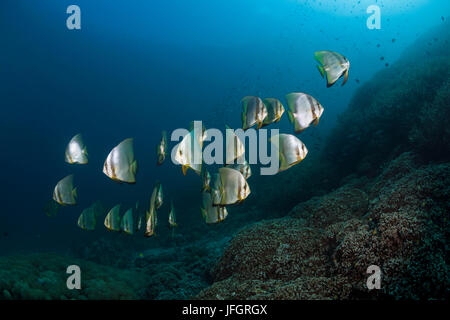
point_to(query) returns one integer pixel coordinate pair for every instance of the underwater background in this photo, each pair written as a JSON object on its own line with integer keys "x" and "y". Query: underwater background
{"x": 373, "y": 190}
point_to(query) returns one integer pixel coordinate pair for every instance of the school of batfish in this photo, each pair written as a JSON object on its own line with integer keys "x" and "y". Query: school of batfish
{"x": 226, "y": 187}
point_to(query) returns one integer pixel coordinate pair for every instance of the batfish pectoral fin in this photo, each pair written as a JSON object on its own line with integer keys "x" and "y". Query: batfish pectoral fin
{"x": 134, "y": 167}
{"x": 244, "y": 120}
{"x": 290, "y": 116}
{"x": 75, "y": 193}
{"x": 203, "y": 211}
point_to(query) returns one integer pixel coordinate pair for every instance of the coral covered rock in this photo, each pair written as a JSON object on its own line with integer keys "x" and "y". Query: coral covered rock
{"x": 340, "y": 205}
{"x": 317, "y": 288}
{"x": 324, "y": 248}
{"x": 277, "y": 249}
{"x": 43, "y": 276}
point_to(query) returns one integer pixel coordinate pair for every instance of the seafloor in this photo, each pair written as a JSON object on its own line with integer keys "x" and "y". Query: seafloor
{"x": 378, "y": 194}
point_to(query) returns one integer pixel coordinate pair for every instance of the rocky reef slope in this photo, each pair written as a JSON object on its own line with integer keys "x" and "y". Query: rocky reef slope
{"x": 384, "y": 180}
{"x": 397, "y": 221}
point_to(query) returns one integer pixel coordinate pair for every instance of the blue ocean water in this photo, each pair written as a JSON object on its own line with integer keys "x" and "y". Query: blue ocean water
{"x": 139, "y": 67}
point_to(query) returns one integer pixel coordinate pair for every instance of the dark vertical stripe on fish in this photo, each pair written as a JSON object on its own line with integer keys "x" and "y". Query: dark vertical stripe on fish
{"x": 311, "y": 106}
